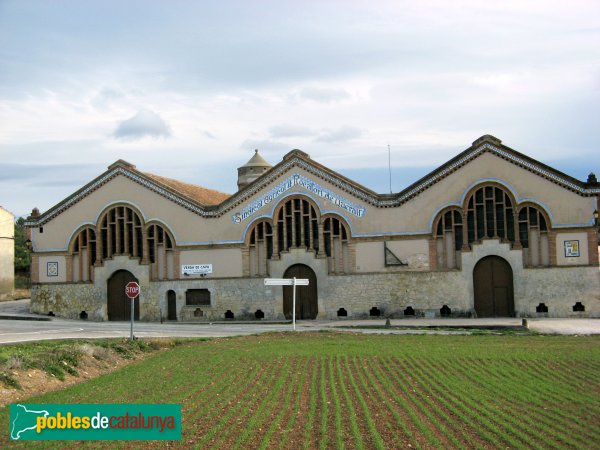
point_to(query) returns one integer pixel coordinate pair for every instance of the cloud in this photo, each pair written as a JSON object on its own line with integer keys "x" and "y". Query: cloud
{"x": 145, "y": 123}
{"x": 341, "y": 134}
{"x": 289, "y": 130}
{"x": 106, "y": 96}
{"x": 323, "y": 95}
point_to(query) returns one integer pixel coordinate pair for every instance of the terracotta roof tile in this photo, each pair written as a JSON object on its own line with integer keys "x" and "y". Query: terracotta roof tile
{"x": 199, "y": 194}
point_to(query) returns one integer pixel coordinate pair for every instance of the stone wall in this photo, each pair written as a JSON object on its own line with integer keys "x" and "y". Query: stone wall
{"x": 68, "y": 300}
{"x": 357, "y": 294}
{"x": 391, "y": 293}
{"x": 559, "y": 288}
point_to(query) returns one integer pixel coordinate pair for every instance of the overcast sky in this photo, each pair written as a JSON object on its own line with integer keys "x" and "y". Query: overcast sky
{"x": 188, "y": 90}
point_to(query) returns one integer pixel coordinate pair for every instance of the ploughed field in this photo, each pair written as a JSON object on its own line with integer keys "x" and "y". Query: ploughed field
{"x": 342, "y": 390}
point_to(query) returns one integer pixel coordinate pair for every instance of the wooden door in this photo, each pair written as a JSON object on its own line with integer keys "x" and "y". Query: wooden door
{"x": 306, "y": 296}
{"x": 119, "y": 305}
{"x": 493, "y": 288}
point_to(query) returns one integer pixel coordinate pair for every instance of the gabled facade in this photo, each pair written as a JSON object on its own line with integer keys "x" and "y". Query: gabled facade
{"x": 490, "y": 233}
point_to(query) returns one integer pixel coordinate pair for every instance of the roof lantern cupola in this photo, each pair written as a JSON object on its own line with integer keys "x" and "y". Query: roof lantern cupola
{"x": 252, "y": 170}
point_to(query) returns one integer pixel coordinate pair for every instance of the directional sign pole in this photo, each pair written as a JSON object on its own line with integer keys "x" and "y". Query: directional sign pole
{"x": 294, "y": 304}
{"x": 288, "y": 282}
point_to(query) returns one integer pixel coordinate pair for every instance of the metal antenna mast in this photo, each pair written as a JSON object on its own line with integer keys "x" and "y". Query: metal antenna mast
{"x": 390, "y": 166}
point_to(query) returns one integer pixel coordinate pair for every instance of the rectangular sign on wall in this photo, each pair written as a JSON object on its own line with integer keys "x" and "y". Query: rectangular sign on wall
{"x": 571, "y": 249}
{"x": 196, "y": 269}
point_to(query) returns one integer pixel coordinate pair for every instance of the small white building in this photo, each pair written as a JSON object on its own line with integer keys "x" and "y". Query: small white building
{"x": 7, "y": 254}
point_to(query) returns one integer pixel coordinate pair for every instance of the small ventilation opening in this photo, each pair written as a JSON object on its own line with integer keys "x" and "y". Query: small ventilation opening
{"x": 374, "y": 312}
{"x": 51, "y": 314}
{"x": 83, "y": 315}
{"x": 445, "y": 311}
{"x": 578, "y": 307}
{"x": 409, "y": 311}
{"x": 259, "y": 314}
{"x": 342, "y": 312}
{"x": 198, "y": 312}
{"x": 229, "y": 314}
{"x": 541, "y": 308}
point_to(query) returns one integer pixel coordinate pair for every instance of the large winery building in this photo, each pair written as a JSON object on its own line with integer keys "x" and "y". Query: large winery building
{"x": 490, "y": 233}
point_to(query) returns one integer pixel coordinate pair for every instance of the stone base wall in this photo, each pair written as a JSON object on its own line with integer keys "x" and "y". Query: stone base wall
{"x": 426, "y": 292}
{"x": 68, "y": 300}
{"x": 559, "y": 288}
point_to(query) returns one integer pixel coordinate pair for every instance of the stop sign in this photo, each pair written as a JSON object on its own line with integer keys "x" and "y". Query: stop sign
{"x": 132, "y": 290}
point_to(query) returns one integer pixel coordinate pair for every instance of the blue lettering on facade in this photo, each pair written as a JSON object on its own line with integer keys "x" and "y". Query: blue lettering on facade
{"x": 297, "y": 180}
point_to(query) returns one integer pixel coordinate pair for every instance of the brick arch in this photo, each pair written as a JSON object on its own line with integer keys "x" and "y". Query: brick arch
{"x": 294, "y": 196}
{"x": 252, "y": 226}
{"x": 296, "y": 223}
{"x": 120, "y": 230}
{"x": 490, "y": 210}
{"x": 535, "y": 234}
{"x": 82, "y": 254}
{"x": 159, "y": 246}
{"x": 448, "y": 235}
{"x": 259, "y": 247}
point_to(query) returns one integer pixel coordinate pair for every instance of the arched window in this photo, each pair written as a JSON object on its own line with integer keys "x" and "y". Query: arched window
{"x": 160, "y": 252}
{"x": 449, "y": 239}
{"x": 261, "y": 248}
{"x": 336, "y": 241}
{"x": 297, "y": 225}
{"x": 533, "y": 234}
{"x": 490, "y": 213}
{"x": 121, "y": 233}
{"x": 83, "y": 251}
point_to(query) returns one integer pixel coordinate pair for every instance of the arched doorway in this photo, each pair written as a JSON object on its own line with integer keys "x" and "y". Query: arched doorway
{"x": 306, "y": 296}
{"x": 493, "y": 288}
{"x": 119, "y": 305}
{"x": 171, "y": 305}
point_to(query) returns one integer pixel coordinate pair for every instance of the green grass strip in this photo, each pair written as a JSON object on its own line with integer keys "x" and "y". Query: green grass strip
{"x": 337, "y": 406}
{"x": 324, "y": 428}
{"x": 368, "y": 380}
{"x": 395, "y": 387}
{"x": 285, "y": 405}
{"x": 374, "y": 434}
{"x": 312, "y": 405}
{"x": 266, "y": 379}
{"x": 477, "y": 399}
{"x": 283, "y": 386}
{"x": 351, "y": 412}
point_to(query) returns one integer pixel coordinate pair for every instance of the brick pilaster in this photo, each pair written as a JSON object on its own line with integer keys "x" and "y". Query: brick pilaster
{"x": 593, "y": 246}
{"x": 432, "y": 254}
{"x": 352, "y": 256}
{"x": 176, "y": 264}
{"x": 246, "y": 261}
{"x": 552, "y": 247}
{"x": 69, "y": 268}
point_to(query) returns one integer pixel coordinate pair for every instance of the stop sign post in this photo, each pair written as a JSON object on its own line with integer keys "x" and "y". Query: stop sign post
{"x": 132, "y": 290}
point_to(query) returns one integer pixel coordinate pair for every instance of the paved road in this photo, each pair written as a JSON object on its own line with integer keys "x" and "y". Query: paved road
{"x": 12, "y": 331}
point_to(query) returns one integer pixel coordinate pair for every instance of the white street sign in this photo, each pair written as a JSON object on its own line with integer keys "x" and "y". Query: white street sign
{"x": 286, "y": 281}
{"x": 196, "y": 269}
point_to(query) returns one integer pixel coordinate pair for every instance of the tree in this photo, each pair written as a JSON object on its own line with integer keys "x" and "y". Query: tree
{"x": 22, "y": 253}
